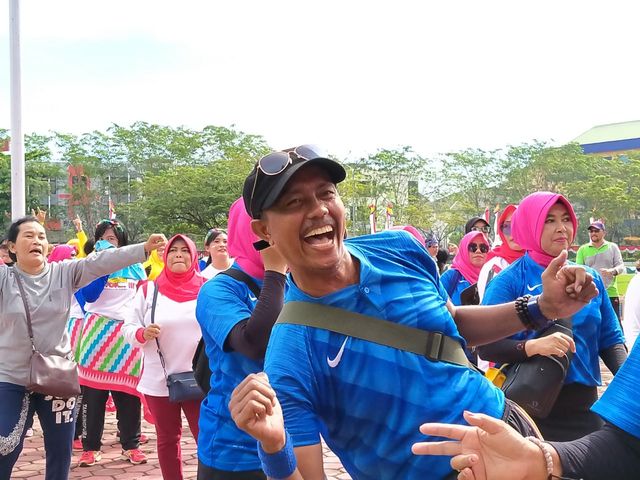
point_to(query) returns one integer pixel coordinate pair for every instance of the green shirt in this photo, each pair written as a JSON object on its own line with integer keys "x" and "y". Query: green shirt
{"x": 606, "y": 256}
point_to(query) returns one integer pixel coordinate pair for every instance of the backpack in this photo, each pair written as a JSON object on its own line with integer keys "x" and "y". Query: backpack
{"x": 200, "y": 361}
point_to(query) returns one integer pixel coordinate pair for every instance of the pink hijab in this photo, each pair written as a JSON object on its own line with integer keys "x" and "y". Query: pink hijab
{"x": 181, "y": 287}
{"x": 241, "y": 239}
{"x": 462, "y": 260}
{"x": 504, "y": 250}
{"x": 528, "y": 220}
{"x": 412, "y": 230}
{"x": 61, "y": 252}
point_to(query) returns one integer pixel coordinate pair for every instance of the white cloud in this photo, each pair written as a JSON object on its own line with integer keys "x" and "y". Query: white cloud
{"x": 351, "y": 75}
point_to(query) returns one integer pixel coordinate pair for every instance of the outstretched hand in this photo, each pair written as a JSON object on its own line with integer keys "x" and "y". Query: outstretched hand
{"x": 255, "y": 409}
{"x": 565, "y": 288}
{"x": 488, "y": 449}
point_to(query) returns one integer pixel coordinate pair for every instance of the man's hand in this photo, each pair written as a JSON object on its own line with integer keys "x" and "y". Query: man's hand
{"x": 607, "y": 273}
{"x": 155, "y": 241}
{"x": 489, "y": 449}
{"x": 256, "y": 410}
{"x": 565, "y": 288}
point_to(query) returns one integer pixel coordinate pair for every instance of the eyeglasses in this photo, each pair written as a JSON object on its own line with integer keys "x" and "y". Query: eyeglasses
{"x": 277, "y": 162}
{"x": 483, "y": 229}
{"x": 506, "y": 228}
{"x": 484, "y": 248}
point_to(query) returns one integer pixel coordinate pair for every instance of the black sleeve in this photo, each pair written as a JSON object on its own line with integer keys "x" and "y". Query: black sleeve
{"x": 250, "y": 337}
{"x": 503, "y": 351}
{"x": 614, "y": 356}
{"x": 609, "y": 453}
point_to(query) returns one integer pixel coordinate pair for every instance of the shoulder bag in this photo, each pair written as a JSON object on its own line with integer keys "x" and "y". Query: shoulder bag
{"x": 434, "y": 346}
{"x": 535, "y": 383}
{"x": 182, "y": 386}
{"x": 48, "y": 374}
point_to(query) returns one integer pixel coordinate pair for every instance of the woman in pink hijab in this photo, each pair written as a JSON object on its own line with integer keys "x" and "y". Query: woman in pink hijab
{"x": 236, "y": 321}
{"x": 544, "y": 225}
{"x": 464, "y": 271}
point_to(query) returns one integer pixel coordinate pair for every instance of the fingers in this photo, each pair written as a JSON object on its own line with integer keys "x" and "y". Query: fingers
{"x": 252, "y": 398}
{"x": 462, "y": 462}
{"x": 437, "y": 448}
{"x": 555, "y": 265}
{"x": 445, "y": 430}
{"x": 484, "y": 422}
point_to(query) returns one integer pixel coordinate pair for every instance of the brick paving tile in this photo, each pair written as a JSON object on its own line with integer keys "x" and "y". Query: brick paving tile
{"x": 112, "y": 467}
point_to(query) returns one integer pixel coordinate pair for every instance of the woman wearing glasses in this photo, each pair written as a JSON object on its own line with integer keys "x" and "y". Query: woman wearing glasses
{"x": 215, "y": 244}
{"x": 502, "y": 255}
{"x": 464, "y": 271}
{"x": 544, "y": 225}
{"x": 108, "y": 363}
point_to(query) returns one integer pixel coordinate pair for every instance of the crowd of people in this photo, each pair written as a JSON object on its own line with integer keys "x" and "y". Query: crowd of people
{"x": 283, "y": 376}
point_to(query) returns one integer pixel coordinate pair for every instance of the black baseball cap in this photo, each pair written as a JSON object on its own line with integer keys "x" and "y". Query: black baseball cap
{"x": 272, "y": 172}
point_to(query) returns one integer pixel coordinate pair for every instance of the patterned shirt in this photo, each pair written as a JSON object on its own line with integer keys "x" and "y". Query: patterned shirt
{"x": 606, "y": 255}
{"x": 368, "y": 400}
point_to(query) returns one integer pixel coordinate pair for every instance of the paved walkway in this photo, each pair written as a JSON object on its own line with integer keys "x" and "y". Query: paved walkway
{"x": 112, "y": 467}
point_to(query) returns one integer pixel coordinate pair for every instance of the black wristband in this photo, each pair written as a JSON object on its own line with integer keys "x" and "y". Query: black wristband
{"x": 529, "y": 313}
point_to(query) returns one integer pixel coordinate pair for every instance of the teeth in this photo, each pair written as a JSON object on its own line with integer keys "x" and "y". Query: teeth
{"x": 319, "y": 231}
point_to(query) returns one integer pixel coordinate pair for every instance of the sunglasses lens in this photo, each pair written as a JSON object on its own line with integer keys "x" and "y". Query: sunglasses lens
{"x": 474, "y": 246}
{"x": 274, "y": 163}
{"x": 309, "y": 152}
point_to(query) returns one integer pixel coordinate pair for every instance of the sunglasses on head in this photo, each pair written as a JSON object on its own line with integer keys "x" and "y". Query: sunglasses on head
{"x": 483, "y": 229}
{"x": 211, "y": 232}
{"x": 277, "y": 162}
{"x": 506, "y": 228}
{"x": 484, "y": 248}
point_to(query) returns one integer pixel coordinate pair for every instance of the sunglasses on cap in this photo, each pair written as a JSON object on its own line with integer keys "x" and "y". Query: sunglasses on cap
{"x": 483, "y": 247}
{"x": 506, "y": 228}
{"x": 483, "y": 229}
{"x": 277, "y": 162}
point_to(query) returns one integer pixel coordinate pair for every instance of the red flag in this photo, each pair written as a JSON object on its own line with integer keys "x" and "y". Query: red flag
{"x": 486, "y": 215}
{"x": 5, "y": 145}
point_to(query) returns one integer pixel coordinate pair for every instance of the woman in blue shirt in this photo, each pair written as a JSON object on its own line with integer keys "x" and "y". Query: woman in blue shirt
{"x": 466, "y": 266}
{"x": 544, "y": 225}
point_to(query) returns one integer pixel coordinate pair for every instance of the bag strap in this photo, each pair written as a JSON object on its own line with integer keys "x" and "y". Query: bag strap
{"x": 153, "y": 319}
{"x": 244, "y": 278}
{"x": 26, "y": 308}
{"x": 434, "y": 346}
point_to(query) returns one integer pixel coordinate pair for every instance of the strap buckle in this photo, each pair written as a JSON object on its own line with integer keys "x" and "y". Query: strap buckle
{"x": 435, "y": 343}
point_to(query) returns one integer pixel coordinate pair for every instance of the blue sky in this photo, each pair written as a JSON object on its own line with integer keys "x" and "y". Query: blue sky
{"x": 353, "y": 76}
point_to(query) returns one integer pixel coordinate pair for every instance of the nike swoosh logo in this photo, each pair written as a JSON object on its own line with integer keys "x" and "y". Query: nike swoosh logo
{"x": 334, "y": 363}
{"x": 531, "y": 289}
{"x": 252, "y": 298}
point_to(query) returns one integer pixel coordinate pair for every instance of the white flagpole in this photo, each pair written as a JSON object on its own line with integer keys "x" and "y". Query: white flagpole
{"x": 18, "y": 198}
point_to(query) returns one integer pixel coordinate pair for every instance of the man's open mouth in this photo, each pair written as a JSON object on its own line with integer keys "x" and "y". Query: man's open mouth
{"x": 319, "y": 235}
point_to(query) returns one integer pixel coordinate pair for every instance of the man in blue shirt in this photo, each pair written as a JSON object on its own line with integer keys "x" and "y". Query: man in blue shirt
{"x": 365, "y": 399}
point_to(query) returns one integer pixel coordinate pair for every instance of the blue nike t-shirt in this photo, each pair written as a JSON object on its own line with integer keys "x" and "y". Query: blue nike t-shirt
{"x": 222, "y": 303}
{"x": 595, "y": 326}
{"x": 368, "y": 400}
{"x": 620, "y": 403}
{"x": 454, "y": 284}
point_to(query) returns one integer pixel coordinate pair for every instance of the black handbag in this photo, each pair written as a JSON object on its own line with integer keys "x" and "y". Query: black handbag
{"x": 182, "y": 386}
{"x": 48, "y": 374}
{"x": 535, "y": 383}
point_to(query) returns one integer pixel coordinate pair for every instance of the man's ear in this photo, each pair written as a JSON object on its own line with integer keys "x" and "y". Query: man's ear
{"x": 260, "y": 228}
{"x": 12, "y": 247}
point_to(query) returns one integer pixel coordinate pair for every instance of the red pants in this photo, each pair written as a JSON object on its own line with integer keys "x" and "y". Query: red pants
{"x": 168, "y": 418}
